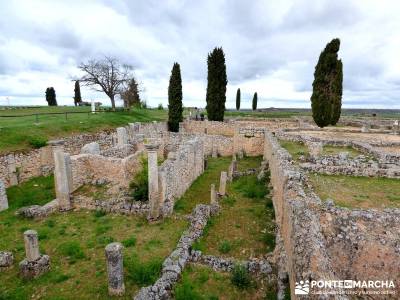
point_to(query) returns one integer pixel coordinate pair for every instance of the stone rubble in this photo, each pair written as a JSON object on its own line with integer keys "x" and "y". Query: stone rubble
{"x": 6, "y": 260}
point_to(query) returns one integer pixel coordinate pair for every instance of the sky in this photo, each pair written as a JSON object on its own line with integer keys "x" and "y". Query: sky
{"x": 271, "y": 47}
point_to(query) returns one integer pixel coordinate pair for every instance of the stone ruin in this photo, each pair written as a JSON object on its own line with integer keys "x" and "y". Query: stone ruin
{"x": 315, "y": 240}
{"x": 3, "y": 196}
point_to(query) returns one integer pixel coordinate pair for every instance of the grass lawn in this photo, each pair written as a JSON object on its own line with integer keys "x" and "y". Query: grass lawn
{"x": 199, "y": 192}
{"x": 245, "y": 226}
{"x": 202, "y": 283}
{"x": 22, "y": 133}
{"x": 296, "y": 149}
{"x": 335, "y": 150}
{"x": 357, "y": 192}
{"x": 75, "y": 242}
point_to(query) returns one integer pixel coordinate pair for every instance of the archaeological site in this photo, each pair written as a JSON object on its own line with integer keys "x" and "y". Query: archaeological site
{"x": 271, "y": 201}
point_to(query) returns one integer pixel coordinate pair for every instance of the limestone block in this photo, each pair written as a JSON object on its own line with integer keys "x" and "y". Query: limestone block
{"x": 12, "y": 170}
{"x": 213, "y": 195}
{"x": 33, "y": 269}
{"x": 154, "y": 212}
{"x": 91, "y": 148}
{"x": 6, "y": 259}
{"x": 31, "y": 245}
{"x": 115, "y": 270}
{"x": 122, "y": 136}
{"x": 63, "y": 179}
{"x": 3, "y": 196}
{"x": 222, "y": 183}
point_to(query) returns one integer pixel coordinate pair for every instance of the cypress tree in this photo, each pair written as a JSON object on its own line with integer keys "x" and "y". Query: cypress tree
{"x": 175, "y": 108}
{"x": 255, "y": 99}
{"x": 77, "y": 90}
{"x": 51, "y": 96}
{"x": 238, "y": 99}
{"x": 216, "y": 85}
{"x": 326, "y": 99}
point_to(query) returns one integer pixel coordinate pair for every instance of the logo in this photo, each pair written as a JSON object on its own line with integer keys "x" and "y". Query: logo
{"x": 302, "y": 288}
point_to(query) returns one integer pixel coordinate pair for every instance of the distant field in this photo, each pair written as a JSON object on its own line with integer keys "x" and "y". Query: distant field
{"x": 24, "y": 132}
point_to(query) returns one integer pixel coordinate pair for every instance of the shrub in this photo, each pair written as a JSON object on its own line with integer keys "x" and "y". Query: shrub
{"x": 37, "y": 142}
{"x": 240, "y": 277}
{"x": 130, "y": 242}
{"x": 143, "y": 273}
{"x": 139, "y": 185}
{"x": 224, "y": 247}
{"x": 160, "y": 106}
{"x": 175, "y": 108}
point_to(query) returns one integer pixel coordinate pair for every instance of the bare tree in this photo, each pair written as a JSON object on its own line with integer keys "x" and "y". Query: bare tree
{"x": 106, "y": 75}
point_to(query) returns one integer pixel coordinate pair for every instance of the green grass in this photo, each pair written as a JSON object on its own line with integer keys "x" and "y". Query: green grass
{"x": 75, "y": 242}
{"x": 357, "y": 192}
{"x": 296, "y": 149}
{"x": 199, "y": 191}
{"x": 245, "y": 226}
{"x": 23, "y": 133}
{"x": 202, "y": 283}
{"x": 335, "y": 150}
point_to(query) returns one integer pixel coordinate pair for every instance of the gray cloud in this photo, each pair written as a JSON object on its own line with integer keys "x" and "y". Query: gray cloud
{"x": 271, "y": 48}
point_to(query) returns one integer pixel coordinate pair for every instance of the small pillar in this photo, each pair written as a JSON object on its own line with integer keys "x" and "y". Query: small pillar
{"x": 3, "y": 196}
{"x": 122, "y": 136}
{"x": 6, "y": 260}
{"x": 240, "y": 154}
{"x": 315, "y": 149}
{"x": 12, "y": 170}
{"x": 214, "y": 152}
{"x": 222, "y": 183}
{"x": 31, "y": 241}
{"x": 34, "y": 264}
{"x": 213, "y": 195}
{"x": 154, "y": 212}
{"x": 115, "y": 270}
{"x": 63, "y": 179}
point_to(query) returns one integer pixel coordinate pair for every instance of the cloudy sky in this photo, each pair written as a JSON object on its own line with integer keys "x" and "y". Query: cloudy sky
{"x": 271, "y": 47}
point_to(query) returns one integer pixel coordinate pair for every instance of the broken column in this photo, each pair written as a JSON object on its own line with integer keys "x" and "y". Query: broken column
{"x": 34, "y": 264}
{"x": 222, "y": 183}
{"x": 3, "y": 196}
{"x": 122, "y": 136}
{"x": 12, "y": 170}
{"x": 154, "y": 212}
{"x": 366, "y": 127}
{"x": 115, "y": 270}
{"x": 63, "y": 179}
{"x": 213, "y": 195}
{"x": 6, "y": 260}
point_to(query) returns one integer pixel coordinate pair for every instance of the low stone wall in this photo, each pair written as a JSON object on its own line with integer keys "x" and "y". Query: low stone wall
{"x": 207, "y": 127}
{"x": 175, "y": 263}
{"x": 178, "y": 172}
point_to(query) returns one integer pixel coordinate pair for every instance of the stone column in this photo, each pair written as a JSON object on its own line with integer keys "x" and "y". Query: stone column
{"x": 34, "y": 264}
{"x": 154, "y": 212}
{"x": 63, "y": 179}
{"x": 3, "y": 196}
{"x": 12, "y": 170}
{"x": 122, "y": 136}
{"x": 31, "y": 241}
{"x": 115, "y": 270}
{"x": 222, "y": 183}
{"x": 232, "y": 169}
{"x": 214, "y": 153}
{"x": 315, "y": 149}
{"x": 213, "y": 195}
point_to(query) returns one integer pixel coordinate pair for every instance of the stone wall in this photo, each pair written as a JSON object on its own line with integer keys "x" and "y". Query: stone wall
{"x": 39, "y": 162}
{"x": 319, "y": 241}
{"x": 89, "y": 168}
{"x": 178, "y": 172}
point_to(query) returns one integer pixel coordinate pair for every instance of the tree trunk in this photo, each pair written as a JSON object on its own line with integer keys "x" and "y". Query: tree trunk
{"x": 112, "y": 102}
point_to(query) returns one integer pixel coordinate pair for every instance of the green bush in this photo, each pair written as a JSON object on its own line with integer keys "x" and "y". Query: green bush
{"x": 37, "y": 142}
{"x": 250, "y": 187}
{"x": 224, "y": 247}
{"x": 186, "y": 291}
{"x": 72, "y": 249}
{"x": 139, "y": 185}
{"x": 129, "y": 242}
{"x": 240, "y": 277}
{"x": 143, "y": 273}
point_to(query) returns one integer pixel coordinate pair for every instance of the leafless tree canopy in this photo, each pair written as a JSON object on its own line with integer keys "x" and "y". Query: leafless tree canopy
{"x": 106, "y": 75}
